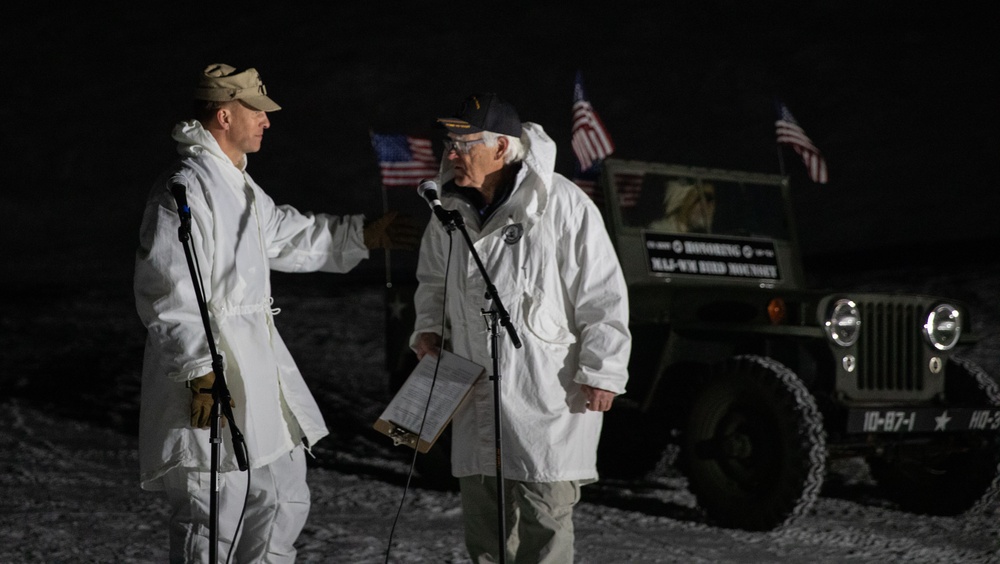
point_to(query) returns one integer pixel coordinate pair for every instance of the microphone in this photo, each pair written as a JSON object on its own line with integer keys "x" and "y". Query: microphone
{"x": 428, "y": 191}
{"x": 180, "y": 194}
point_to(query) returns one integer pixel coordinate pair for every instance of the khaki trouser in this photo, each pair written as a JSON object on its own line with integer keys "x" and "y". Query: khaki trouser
{"x": 276, "y": 512}
{"x": 538, "y": 522}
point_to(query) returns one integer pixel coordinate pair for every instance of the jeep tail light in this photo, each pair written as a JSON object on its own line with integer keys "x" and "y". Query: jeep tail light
{"x": 844, "y": 323}
{"x": 943, "y": 327}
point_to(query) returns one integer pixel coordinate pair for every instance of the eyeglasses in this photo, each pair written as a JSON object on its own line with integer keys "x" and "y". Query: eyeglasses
{"x": 460, "y": 147}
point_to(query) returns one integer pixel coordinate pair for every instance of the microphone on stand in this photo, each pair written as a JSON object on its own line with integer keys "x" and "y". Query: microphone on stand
{"x": 428, "y": 190}
{"x": 180, "y": 195}
{"x": 220, "y": 390}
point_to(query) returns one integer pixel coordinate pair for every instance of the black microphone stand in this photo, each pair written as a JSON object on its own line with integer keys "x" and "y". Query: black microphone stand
{"x": 496, "y": 312}
{"x": 220, "y": 392}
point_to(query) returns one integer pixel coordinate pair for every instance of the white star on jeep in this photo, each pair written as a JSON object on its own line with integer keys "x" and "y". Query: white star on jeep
{"x": 942, "y": 421}
{"x": 397, "y": 306}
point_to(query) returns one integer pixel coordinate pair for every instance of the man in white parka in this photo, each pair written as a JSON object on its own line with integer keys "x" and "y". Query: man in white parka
{"x": 238, "y": 234}
{"x": 547, "y": 252}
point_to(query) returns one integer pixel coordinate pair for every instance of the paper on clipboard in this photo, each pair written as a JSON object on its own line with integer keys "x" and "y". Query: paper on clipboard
{"x": 403, "y": 417}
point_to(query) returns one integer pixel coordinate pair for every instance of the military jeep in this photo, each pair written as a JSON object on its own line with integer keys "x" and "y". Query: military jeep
{"x": 757, "y": 382}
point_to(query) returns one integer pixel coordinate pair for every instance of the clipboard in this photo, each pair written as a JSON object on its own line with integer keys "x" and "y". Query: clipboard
{"x": 402, "y": 419}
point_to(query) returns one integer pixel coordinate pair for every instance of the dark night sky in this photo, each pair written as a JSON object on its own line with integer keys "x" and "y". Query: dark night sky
{"x": 897, "y": 96}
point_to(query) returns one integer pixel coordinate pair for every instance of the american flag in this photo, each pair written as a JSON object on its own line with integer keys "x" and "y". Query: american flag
{"x": 404, "y": 160}
{"x": 591, "y": 141}
{"x": 628, "y": 187}
{"x": 790, "y": 133}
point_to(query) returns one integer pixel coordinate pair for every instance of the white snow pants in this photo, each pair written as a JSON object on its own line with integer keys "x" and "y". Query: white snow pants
{"x": 276, "y": 512}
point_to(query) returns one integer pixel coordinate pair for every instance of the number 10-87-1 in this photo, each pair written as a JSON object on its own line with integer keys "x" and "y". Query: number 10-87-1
{"x": 889, "y": 421}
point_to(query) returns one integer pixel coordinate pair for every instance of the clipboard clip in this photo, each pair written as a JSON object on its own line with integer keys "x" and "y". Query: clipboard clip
{"x": 401, "y": 436}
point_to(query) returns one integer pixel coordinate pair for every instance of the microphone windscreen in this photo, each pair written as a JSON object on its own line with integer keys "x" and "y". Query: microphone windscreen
{"x": 425, "y": 186}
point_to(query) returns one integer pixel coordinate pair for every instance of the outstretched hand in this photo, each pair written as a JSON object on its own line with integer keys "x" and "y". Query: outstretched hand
{"x": 392, "y": 231}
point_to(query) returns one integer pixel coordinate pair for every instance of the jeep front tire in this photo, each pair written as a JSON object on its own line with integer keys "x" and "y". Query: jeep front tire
{"x": 754, "y": 448}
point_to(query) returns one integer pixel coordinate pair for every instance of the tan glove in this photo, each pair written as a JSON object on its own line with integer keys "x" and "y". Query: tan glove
{"x": 392, "y": 231}
{"x": 202, "y": 401}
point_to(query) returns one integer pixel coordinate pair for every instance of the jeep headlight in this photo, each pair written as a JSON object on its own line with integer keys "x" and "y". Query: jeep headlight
{"x": 844, "y": 323}
{"x": 943, "y": 327}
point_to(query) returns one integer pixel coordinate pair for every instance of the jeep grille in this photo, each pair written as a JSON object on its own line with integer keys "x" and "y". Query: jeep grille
{"x": 889, "y": 349}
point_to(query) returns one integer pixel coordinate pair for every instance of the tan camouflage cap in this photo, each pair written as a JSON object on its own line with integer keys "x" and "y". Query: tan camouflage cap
{"x": 221, "y": 83}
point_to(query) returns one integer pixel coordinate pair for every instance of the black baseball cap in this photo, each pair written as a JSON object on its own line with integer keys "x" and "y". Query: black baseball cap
{"x": 484, "y": 112}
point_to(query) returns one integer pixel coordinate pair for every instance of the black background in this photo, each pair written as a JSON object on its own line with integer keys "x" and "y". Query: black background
{"x": 895, "y": 94}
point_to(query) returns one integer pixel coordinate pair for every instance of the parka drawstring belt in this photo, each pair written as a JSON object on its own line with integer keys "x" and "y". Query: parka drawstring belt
{"x": 246, "y": 309}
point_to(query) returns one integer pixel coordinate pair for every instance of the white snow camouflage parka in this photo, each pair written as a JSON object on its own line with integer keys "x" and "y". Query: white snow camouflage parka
{"x": 238, "y": 234}
{"x": 562, "y": 285}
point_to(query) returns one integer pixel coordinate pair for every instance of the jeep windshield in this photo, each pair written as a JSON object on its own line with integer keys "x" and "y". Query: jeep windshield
{"x": 673, "y": 221}
{"x": 683, "y": 204}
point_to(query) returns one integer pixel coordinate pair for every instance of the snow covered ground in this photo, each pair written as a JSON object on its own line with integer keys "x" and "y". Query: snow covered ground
{"x": 69, "y": 481}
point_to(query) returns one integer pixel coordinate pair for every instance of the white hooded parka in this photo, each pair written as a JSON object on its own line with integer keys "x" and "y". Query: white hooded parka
{"x": 550, "y": 258}
{"x": 238, "y": 235}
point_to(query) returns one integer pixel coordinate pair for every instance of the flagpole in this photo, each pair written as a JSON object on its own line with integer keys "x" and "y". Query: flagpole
{"x": 388, "y": 264}
{"x": 385, "y": 210}
{"x": 778, "y": 105}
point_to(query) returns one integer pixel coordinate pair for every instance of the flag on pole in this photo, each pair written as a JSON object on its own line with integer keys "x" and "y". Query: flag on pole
{"x": 790, "y": 133}
{"x": 404, "y": 160}
{"x": 591, "y": 142}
